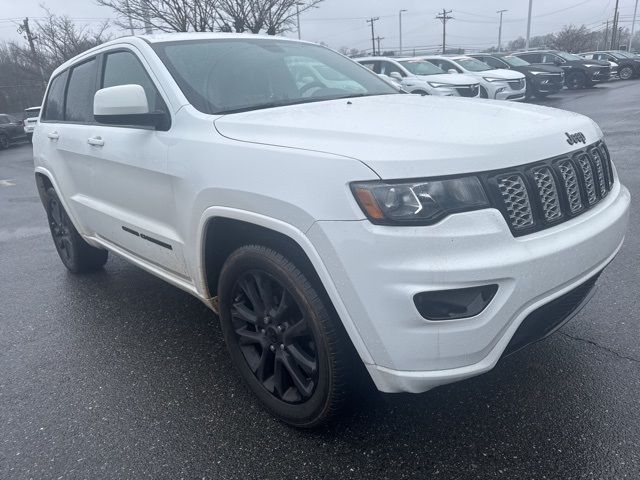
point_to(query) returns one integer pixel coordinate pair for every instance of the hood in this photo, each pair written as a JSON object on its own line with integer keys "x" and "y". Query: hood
{"x": 538, "y": 68}
{"x": 452, "y": 79}
{"x": 500, "y": 73}
{"x": 404, "y": 136}
{"x": 600, "y": 63}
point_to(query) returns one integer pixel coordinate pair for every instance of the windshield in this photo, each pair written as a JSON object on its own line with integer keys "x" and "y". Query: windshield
{"x": 235, "y": 75}
{"x": 569, "y": 56}
{"x": 473, "y": 65}
{"x": 421, "y": 67}
{"x": 515, "y": 61}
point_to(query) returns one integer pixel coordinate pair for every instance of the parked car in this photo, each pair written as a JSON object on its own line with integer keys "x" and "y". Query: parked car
{"x": 542, "y": 80}
{"x": 578, "y": 72}
{"x": 422, "y": 77}
{"x": 419, "y": 239}
{"x": 628, "y": 67}
{"x": 494, "y": 83}
{"x": 11, "y": 131}
{"x": 30, "y": 119}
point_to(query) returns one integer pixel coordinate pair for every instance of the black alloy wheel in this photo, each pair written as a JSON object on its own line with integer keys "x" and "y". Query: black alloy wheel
{"x": 626, "y": 73}
{"x": 576, "y": 80}
{"x": 60, "y": 226}
{"x": 274, "y": 337}
{"x": 283, "y": 338}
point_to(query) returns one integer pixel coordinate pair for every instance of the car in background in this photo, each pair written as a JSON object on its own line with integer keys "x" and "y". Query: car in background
{"x": 314, "y": 76}
{"x": 628, "y": 66}
{"x": 422, "y": 77}
{"x": 578, "y": 72}
{"x": 11, "y": 131}
{"x": 542, "y": 80}
{"x": 31, "y": 115}
{"x": 494, "y": 83}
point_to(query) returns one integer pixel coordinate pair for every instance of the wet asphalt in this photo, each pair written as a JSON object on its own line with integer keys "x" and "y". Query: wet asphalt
{"x": 119, "y": 375}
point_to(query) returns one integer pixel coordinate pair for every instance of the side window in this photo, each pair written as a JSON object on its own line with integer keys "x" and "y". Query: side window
{"x": 531, "y": 57}
{"x": 54, "y": 104}
{"x": 494, "y": 62}
{"x": 373, "y": 66}
{"x": 124, "y": 68}
{"x": 549, "y": 58}
{"x": 80, "y": 91}
{"x": 446, "y": 65}
{"x": 389, "y": 68}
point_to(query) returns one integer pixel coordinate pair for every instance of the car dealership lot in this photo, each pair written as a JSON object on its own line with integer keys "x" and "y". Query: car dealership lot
{"x": 118, "y": 375}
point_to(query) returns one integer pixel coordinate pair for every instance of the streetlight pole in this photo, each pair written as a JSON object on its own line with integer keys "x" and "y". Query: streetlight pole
{"x": 400, "y": 21}
{"x": 633, "y": 25}
{"x": 529, "y": 24}
{"x": 298, "y": 17}
{"x": 500, "y": 30}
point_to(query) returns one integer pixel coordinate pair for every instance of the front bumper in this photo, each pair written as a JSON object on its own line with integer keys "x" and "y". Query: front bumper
{"x": 599, "y": 76}
{"x": 504, "y": 91}
{"x": 379, "y": 269}
{"x": 547, "y": 84}
{"x": 29, "y": 129}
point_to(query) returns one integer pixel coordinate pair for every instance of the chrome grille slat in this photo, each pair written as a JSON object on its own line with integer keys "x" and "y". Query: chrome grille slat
{"x": 516, "y": 199}
{"x": 548, "y": 193}
{"x": 570, "y": 178}
{"x": 539, "y": 195}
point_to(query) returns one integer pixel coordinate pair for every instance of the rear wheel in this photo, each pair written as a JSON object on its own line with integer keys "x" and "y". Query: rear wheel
{"x": 576, "y": 80}
{"x": 30, "y": 137}
{"x": 282, "y": 337}
{"x": 76, "y": 254}
{"x": 626, "y": 73}
{"x": 4, "y": 141}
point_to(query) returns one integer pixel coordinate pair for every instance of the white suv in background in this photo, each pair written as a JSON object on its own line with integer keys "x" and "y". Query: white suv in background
{"x": 422, "y": 77}
{"x": 31, "y": 115}
{"x": 332, "y": 240}
{"x": 497, "y": 84}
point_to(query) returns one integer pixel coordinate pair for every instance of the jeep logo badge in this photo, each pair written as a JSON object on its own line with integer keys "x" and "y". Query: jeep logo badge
{"x": 573, "y": 138}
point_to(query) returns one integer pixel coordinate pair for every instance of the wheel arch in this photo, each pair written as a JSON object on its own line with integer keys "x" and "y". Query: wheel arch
{"x": 223, "y": 230}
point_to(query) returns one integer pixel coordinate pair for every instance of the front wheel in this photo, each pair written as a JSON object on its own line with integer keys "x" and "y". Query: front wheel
{"x": 626, "y": 73}
{"x": 4, "y": 142}
{"x": 576, "y": 80}
{"x": 76, "y": 254}
{"x": 282, "y": 337}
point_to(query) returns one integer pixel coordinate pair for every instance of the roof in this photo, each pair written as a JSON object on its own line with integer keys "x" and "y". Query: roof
{"x": 186, "y": 36}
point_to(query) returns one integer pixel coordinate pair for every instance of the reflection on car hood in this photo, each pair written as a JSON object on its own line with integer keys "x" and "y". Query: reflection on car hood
{"x": 452, "y": 79}
{"x": 402, "y": 136}
{"x": 501, "y": 73}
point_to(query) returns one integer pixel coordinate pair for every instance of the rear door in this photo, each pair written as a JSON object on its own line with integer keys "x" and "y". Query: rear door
{"x": 128, "y": 196}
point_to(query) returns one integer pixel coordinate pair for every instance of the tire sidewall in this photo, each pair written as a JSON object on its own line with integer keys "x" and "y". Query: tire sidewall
{"x": 626, "y": 69}
{"x": 250, "y": 258}
{"x": 70, "y": 263}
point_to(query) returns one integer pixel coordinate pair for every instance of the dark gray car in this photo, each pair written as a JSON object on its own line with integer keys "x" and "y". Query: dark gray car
{"x": 11, "y": 130}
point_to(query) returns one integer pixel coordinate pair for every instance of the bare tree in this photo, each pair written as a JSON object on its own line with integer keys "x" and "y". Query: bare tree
{"x": 573, "y": 39}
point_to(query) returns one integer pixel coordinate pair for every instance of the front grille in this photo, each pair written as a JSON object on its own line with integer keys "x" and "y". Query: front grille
{"x": 516, "y": 85}
{"x": 468, "y": 90}
{"x": 540, "y": 195}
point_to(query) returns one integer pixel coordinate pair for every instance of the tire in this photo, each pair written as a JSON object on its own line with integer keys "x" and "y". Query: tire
{"x": 4, "y": 142}
{"x": 30, "y": 137}
{"x": 286, "y": 343}
{"x": 576, "y": 80}
{"x": 420, "y": 92}
{"x": 626, "y": 73}
{"x": 483, "y": 92}
{"x": 540, "y": 95}
{"x": 76, "y": 254}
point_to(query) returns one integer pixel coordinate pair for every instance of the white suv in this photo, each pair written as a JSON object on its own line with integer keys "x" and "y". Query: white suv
{"x": 498, "y": 84}
{"x": 327, "y": 237}
{"x": 31, "y": 115}
{"x": 422, "y": 77}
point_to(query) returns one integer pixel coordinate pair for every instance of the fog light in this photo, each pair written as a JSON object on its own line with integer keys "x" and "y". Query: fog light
{"x": 454, "y": 304}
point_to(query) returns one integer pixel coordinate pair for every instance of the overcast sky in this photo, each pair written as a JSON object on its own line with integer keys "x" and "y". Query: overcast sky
{"x": 342, "y": 22}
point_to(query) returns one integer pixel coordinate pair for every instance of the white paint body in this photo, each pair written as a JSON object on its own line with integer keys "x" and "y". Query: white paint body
{"x": 289, "y": 169}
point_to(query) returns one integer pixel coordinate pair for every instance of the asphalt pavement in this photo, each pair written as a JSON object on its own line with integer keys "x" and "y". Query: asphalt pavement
{"x": 119, "y": 375}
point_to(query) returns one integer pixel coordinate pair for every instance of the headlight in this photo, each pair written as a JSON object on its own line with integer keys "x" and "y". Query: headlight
{"x": 418, "y": 202}
{"x": 536, "y": 73}
{"x": 440, "y": 85}
{"x": 591, "y": 65}
{"x": 493, "y": 79}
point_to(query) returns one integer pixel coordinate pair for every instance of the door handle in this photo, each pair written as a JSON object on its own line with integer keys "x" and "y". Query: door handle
{"x": 53, "y": 135}
{"x": 96, "y": 141}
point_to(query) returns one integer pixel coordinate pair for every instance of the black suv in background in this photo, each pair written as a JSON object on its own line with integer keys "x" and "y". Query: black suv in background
{"x": 542, "y": 80}
{"x": 11, "y": 130}
{"x": 578, "y": 72}
{"x": 628, "y": 66}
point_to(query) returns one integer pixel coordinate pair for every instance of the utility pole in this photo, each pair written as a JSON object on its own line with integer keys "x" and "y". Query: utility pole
{"x": 147, "y": 19}
{"x": 614, "y": 30}
{"x": 444, "y": 17}
{"x": 379, "y": 39}
{"x": 372, "y": 21}
{"x": 526, "y": 45}
{"x": 500, "y": 30}
{"x": 298, "y": 19}
{"x": 633, "y": 25}
{"x": 606, "y": 35}
{"x": 400, "y": 19}
{"x": 129, "y": 17}
{"x": 24, "y": 28}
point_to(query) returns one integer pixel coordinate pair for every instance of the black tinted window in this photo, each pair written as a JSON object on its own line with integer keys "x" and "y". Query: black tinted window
{"x": 80, "y": 92}
{"x": 531, "y": 57}
{"x": 123, "y": 68}
{"x": 494, "y": 62}
{"x": 54, "y": 105}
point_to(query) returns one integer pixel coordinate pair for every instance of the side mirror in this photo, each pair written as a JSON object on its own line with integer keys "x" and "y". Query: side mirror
{"x": 126, "y": 105}
{"x": 396, "y": 76}
{"x": 452, "y": 71}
